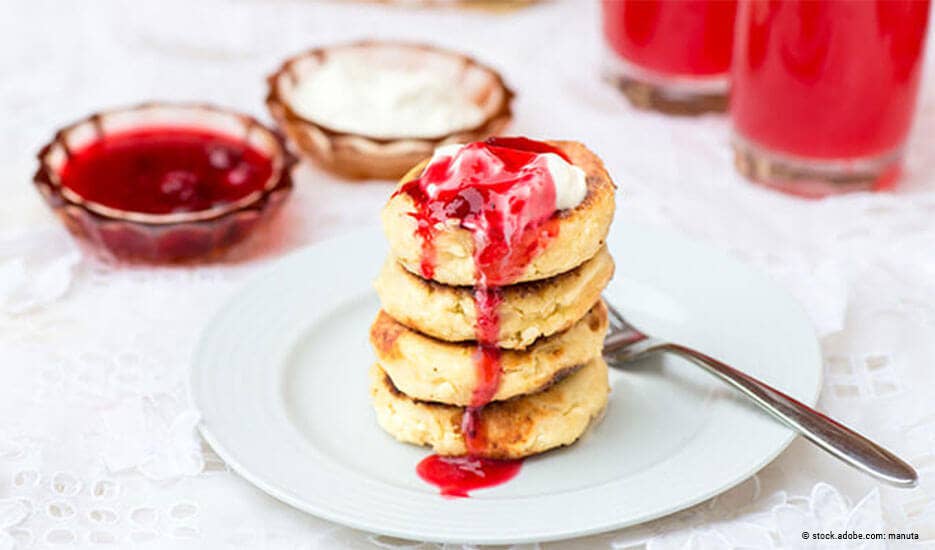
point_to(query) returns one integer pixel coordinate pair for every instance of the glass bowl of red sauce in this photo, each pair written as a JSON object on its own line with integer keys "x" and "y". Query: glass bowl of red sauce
{"x": 164, "y": 182}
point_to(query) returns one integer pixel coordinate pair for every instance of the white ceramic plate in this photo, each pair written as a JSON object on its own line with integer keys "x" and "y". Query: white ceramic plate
{"x": 280, "y": 378}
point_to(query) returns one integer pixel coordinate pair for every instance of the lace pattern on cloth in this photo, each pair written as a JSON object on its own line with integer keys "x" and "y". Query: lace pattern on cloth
{"x": 98, "y": 443}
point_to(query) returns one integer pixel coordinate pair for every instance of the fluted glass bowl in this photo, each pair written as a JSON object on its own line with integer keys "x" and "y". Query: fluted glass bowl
{"x": 172, "y": 237}
{"x": 358, "y": 155}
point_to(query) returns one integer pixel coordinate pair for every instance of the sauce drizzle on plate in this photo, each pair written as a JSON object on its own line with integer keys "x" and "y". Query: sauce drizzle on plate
{"x": 503, "y": 193}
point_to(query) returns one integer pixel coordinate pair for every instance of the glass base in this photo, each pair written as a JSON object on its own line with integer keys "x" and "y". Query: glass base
{"x": 672, "y": 95}
{"x": 816, "y": 178}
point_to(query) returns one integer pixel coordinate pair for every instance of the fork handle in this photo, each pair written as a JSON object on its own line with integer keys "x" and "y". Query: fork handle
{"x": 833, "y": 437}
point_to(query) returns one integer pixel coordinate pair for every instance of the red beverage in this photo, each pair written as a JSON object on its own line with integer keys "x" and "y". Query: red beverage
{"x": 679, "y": 52}
{"x": 166, "y": 170}
{"x": 824, "y": 91}
{"x": 690, "y": 38}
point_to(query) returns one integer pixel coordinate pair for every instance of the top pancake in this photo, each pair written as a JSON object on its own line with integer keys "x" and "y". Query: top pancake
{"x": 581, "y": 230}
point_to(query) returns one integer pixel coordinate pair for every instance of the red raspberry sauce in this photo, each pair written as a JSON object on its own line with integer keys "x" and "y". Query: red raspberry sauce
{"x": 502, "y": 192}
{"x": 166, "y": 170}
{"x": 455, "y": 476}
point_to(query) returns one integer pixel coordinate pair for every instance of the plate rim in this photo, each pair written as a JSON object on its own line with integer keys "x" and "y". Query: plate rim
{"x": 359, "y": 522}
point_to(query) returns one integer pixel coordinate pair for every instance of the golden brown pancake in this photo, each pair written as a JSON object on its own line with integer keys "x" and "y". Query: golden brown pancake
{"x": 528, "y": 310}
{"x": 515, "y": 428}
{"x": 428, "y": 369}
{"x": 581, "y": 230}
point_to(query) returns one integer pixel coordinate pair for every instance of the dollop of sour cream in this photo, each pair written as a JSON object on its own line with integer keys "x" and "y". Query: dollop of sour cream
{"x": 351, "y": 94}
{"x": 570, "y": 182}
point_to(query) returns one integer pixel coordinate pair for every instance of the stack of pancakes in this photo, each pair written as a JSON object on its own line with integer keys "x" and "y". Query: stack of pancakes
{"x": 552, "y": 323}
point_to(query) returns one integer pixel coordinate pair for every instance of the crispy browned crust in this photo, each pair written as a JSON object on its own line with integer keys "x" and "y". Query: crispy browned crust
{"x": 582, "y": 229}
{"x": 386, "y": 331}
{"x": 518, "y": 427}
{"x": 599, "y": 182}
{"x": 446, "y": 312}
{"x": 557, "y": 377}
{"x": 384, "y": 334}
{"x": 515, "y": 291}
{"x": 430, "y": 369}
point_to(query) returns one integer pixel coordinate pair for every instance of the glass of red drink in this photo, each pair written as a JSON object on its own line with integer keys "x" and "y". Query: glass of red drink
{"x": 668, "y": 55}
{"x": 823, "y": 91}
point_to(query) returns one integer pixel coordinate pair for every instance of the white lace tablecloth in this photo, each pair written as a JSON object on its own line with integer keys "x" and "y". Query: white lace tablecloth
{"x": 97, "y": 437}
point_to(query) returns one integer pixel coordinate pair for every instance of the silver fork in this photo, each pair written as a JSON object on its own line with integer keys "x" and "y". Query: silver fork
{"x": 625, "y": 343}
